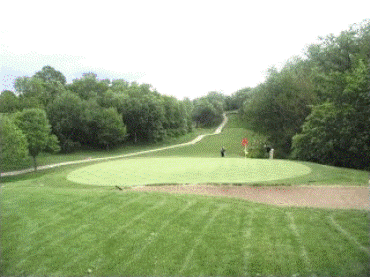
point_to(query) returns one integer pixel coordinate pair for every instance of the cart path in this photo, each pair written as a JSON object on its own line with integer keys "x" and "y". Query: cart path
{"x": 194, "y": 141}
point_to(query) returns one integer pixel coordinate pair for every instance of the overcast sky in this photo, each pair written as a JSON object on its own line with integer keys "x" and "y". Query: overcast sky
{"x": 182, "y": 48}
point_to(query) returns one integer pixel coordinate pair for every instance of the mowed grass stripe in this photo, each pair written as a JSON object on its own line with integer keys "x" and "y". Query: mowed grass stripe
{"x": 248, "y": 242}
{"x": 66, "y": 228}
{"x": 111, "y": 236}
{"x": 348, "y": 235}
{"x": 323, "y": 242}
{"x": 296, "y": 233}
{"x": 199, "y": 239}
{"x": 274, "y": 248}
{"x": 131, "y": 243}
{"x": 156, "y": 234}
{"x": 167, "y": 253}
{"x": 93, "y": 207}
{"x": 221, "y": 249}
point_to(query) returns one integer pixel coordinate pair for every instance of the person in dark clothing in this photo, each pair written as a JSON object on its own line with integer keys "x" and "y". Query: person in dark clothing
{"x": 268, "y": 148}
{"x": 223, "y": 150}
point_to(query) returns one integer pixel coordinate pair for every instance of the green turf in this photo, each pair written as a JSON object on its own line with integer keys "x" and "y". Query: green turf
{"x": 52, "y": 226}
{"x": 131, "y": 172}
{"x": 54, "y": 229}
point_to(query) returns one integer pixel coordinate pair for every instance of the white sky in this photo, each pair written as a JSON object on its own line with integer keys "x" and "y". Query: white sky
{"x": 182, "y": 48}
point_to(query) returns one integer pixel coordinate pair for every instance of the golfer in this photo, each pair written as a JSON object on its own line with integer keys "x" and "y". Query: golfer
{"x": 268, "y": 149}
{"x": 271, "y": 153}
{"x": 223, "y": 150}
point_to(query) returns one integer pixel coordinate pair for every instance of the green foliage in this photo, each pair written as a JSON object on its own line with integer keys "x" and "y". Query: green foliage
{"x": 13, "y": 145}
{"x": 9, "y": 102}
{"x": 40, "y": 89}
{"x": 144, "y": 116}
{"x": 278, "y": 107}
{"x": 66, "y": 115}
{"x": 338, "y": 131}
{"x": 84, "y": 122}
{"x": 49, "y": 75}
{"x": 237, "y": 99}
{"x": 208, "y": 110}
{"x": 331, "y": 85}
{"x": 106, "y": 127}
{"x": 89, "y": 86}
{"x": 35, "y": 126}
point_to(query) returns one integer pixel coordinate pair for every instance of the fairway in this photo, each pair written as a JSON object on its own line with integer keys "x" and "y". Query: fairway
{"x": 71, "y": 221}
{"x": 140, "y": 171}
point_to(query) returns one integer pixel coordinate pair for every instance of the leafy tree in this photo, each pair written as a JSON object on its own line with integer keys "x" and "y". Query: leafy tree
{"x": 30, "y": 91}
{"x": 338, "y": 132}
{"x": 35, "y": 126}
{"x": 175, "y": 119}
{"x": 88, "y": 86}
{"x": 217, "y": 99}
{"x": 237, "y": 99}
{"x": 9, "y": 102}
{"x": 67, "y": 117}
{"x": 13, "y": 145}
{"x": 111, "y": 128}
{"x": 206, "y": 114}
{"x": 143, "y": 114}
{"x": 188, "y": 107}
{"x": 105, "y": 127}
{"x": 35, "y": 92}
{"x": 49, "y": 75}
{"x": 279, "y": 106}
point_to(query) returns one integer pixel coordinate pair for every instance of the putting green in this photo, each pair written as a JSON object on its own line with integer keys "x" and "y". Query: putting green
{"x": 141, "y": 171}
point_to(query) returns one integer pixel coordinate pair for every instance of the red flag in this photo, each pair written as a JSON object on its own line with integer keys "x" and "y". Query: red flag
{"x": 245, "y": 142}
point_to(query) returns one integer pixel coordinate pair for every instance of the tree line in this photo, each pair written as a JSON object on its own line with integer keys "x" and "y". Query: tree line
{"x": 317, "y": 108}
{"x": 45, "y": 113}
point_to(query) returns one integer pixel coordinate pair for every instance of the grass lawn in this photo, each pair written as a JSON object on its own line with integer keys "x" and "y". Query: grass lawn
{"x": 142, "y": 171}
{"x": 52, "y": 226}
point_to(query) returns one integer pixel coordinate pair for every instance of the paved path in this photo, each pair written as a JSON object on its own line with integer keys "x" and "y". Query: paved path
{"x": 197, "y": 139}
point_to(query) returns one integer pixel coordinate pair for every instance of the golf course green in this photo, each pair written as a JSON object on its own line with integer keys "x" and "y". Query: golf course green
{"x": 143, "y": 171}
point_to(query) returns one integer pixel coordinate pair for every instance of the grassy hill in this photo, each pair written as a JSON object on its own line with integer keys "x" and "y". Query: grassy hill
{"x": 51, "y": 226}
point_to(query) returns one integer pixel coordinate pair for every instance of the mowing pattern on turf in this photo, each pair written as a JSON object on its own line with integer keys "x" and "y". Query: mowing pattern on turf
{"x": 111, "y": 233}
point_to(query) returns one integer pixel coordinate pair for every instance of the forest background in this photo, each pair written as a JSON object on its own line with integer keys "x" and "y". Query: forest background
{"x": 316, "y": 108}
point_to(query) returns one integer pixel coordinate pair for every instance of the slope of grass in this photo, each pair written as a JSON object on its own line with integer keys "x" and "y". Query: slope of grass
{"x": 51, "y": 227}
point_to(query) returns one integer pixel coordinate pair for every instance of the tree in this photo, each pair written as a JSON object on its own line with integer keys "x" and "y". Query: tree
{"x": 237, "y": 99}
{"x": 88, "y": 86}
{"x": 206, "y": 114}
{"x": 35, "y": 92}
{"x": 35, "y": 126}
{"x": 175, "y": 119}
{"x": 105, "y": 127}
{"x": 337, "y": 132}
{"x": 279, "y": 106}
{"x": 111, "y": 129}
{"x": 188, "y": 107}
{"x": 49, "y": 75}
{"x": 13, "y": 145}
{"x": 9, "y": 102}
{"x": 67, "y": 118}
